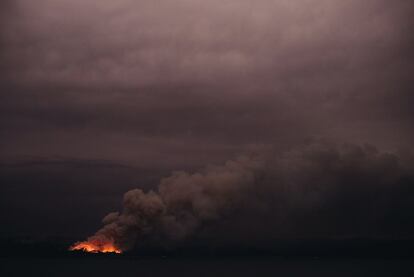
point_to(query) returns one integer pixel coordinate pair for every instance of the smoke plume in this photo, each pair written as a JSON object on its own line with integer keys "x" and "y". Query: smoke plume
{"x": 317, "y": 189}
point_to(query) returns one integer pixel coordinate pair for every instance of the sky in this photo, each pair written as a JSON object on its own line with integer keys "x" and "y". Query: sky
{"x": 100, "y": 97}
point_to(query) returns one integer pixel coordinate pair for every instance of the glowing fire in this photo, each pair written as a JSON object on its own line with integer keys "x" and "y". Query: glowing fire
{"x": 95, "y": 247}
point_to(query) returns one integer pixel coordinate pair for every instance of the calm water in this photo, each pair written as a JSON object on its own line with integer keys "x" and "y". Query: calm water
{"x": 205, "y": 267}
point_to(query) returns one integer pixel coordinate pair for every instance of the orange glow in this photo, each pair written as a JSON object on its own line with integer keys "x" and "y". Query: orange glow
{"x": 95, "y": 247}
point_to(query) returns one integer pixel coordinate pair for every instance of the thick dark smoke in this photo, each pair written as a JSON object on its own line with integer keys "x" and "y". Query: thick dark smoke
{"x": 319, "y": 189}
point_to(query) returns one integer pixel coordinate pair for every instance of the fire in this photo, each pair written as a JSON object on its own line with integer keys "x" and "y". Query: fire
{"x": 96, "y": 247}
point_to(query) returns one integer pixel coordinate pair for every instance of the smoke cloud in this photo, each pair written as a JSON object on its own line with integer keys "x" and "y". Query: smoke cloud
{"x": 318, "y": 189}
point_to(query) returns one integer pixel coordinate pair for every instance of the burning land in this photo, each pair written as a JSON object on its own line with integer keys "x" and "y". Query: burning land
{"x": 317, "y": 190}
{"x": 309, "y": 207}
{"x": 287, "y": 249}
{"x": 315, "y": 199}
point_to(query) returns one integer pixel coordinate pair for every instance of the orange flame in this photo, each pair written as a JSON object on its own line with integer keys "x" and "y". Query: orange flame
{"x": 96, "y": 247}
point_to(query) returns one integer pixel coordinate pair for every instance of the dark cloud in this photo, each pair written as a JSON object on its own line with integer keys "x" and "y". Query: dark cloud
{"x": 180, "y": 84}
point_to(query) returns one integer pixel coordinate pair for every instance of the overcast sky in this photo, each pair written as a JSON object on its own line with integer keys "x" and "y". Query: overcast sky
{"x": 159, "y": 85}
